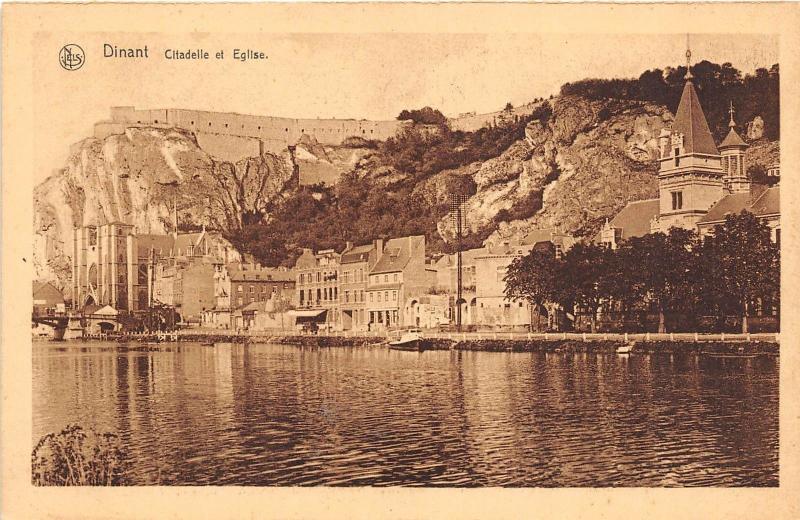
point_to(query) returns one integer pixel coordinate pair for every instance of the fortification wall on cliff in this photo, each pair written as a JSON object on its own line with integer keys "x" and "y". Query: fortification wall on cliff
{"x": 277, "y": 131}
{"x": 473, "y": 122}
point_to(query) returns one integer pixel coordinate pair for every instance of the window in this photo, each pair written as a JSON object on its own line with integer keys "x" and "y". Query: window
{"x": 238, "y": 288}
{"x": 347, "y": 296}
{"x": 386, "y": 295}
{"x": 385, "y": 278}
{"x": 394, "y": 296}
{"x": 264, "y": 289}
{"x": 252, "y": 289}
{"x": 395, "y": 277}
{"x": 370, "y": 297}
{"x": 677, "y": 200}
{"x": 677, "y": 159}
{"x": 379, "y": 297}
{"x": 778, "y": 237}
{"x": 319, "y": 276}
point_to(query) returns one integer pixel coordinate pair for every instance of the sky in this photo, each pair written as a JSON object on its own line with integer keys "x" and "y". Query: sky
{"x": 370, "y": 76}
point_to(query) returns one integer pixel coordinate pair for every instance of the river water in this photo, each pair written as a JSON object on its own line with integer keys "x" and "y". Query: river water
{"x": 274, "y": 415}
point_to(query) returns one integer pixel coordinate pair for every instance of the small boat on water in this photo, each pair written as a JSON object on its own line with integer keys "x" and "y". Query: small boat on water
{"x": 733, "y": 355}
{"x": 410, "y": 340}
{"x": 625, "y": 349}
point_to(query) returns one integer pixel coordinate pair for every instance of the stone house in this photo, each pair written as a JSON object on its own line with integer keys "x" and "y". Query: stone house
{"x": 356, "y": 264}
{"x": 317, "y": 286}
{"x": 399, "y": 275}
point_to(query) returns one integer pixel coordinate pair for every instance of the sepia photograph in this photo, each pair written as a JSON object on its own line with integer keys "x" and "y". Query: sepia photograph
{"x": 281, "y": 259}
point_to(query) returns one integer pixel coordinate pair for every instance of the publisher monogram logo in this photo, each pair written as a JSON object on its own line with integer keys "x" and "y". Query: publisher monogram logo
{"x": 71, "y": 57}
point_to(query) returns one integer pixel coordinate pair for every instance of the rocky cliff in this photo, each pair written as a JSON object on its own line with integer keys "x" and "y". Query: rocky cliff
{"x": 140, "y": 177}
{"x": 570, "y": 172}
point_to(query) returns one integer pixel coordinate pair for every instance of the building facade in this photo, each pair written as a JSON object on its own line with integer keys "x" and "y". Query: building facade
{"x": 399, "y": 276}
{"x": 355, "y": 265}
{"x": 317, "y": 285}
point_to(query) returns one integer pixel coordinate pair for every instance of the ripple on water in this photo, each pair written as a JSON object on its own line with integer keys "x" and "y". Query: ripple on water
{"x": 279, "y": 415}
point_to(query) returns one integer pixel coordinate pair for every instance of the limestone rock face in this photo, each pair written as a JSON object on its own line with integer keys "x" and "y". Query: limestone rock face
{"x": 755, "y": 129}
{"x": 139, "y": 177}
{"x": 571, "y": 173}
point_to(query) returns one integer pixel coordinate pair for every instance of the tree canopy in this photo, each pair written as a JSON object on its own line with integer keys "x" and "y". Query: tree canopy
{"x": 728, "y": 272}
{"x": 753, "y": 95}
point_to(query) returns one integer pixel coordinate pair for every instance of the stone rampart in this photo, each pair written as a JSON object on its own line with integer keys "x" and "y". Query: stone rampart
{"x": 278, "y": 132}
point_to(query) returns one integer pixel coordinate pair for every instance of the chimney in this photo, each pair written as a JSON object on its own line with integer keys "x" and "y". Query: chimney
{"x": 378, "y": 248}
{"x": 348, "y": 246}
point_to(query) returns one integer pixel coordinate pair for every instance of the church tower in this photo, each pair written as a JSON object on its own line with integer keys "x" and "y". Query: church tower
{"x": 690, "y": 178}
{"x": 732, "y": 150}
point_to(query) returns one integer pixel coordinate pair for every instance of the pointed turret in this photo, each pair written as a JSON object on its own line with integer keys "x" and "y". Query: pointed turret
{"x": 690, "y": 121}
{"x": 690, "y": 177}
{"x": 732, "y": 150}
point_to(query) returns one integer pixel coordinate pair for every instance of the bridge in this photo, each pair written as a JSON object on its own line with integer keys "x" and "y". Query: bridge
{"x": 76, "y": 323}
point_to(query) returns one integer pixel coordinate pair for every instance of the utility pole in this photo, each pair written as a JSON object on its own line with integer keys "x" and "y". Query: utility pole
{"x": 458, "y": 214}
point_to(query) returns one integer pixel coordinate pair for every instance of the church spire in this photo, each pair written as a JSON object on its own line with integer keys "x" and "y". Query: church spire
{"x": 732, "y": 140}
{"x": 688, "y": 76}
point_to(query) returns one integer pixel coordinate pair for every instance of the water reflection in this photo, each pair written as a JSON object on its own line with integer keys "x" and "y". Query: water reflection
{"x": 282, "y": 415}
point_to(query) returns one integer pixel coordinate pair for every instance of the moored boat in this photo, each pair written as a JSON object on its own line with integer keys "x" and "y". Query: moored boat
{"x": 625, "y": 349}
{"x": 410, "y": 340}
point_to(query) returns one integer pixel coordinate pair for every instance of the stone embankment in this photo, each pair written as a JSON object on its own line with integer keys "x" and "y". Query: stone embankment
{"x": 596, "y": 346}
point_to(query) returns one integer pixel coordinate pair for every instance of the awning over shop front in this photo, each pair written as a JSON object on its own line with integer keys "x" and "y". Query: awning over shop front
{"x": 307, "y": 313}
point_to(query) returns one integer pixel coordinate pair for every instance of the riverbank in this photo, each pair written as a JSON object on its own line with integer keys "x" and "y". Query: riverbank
{"x": 736, "y": 347}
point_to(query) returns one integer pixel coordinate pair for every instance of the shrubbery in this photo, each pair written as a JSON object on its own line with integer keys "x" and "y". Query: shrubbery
{"x": 74, "y": 457}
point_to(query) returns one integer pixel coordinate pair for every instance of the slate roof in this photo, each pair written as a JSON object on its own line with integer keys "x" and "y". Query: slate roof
{"x": 761, "y": 204}
{"x": 732, "y": 140}
{"x": 48, "y": 292}
{"x": 768, "y": 203}
{"x": 161, "y": 243}
{"x": 691, "y": 122}
{"x": 507, "y": 250}
{"x": 268, "y": 274}
{"x": 732, "y": 203}
{"x": 397, "y": 254}
{"x": 634, "y": 219}
{"x": 356, "y": 254}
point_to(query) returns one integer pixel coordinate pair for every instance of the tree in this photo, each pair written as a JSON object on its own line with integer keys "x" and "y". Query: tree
{"x": 581, "y": 279}
{"x": 743, "y": 264}
{"x": 425, "y": 115}
{"x": 532, "y": 277}
{"x": 657, "y": 267}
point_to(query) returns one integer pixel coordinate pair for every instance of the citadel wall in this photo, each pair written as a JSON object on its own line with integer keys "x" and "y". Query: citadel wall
{"x": 277, "y": 130}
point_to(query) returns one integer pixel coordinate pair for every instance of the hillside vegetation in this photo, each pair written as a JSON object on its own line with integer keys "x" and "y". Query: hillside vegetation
{"x": 592, "y": 150}
{"x": 718, "y": 86}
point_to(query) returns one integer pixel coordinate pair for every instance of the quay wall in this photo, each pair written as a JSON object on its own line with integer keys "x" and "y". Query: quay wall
{"x": 598, "y": 346}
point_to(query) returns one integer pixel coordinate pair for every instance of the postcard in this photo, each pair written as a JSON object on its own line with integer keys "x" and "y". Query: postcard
{"x": 399, "y": 260}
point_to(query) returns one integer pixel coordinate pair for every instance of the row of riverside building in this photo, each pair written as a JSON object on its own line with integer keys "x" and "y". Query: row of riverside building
{"x": 382, "y": 285}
